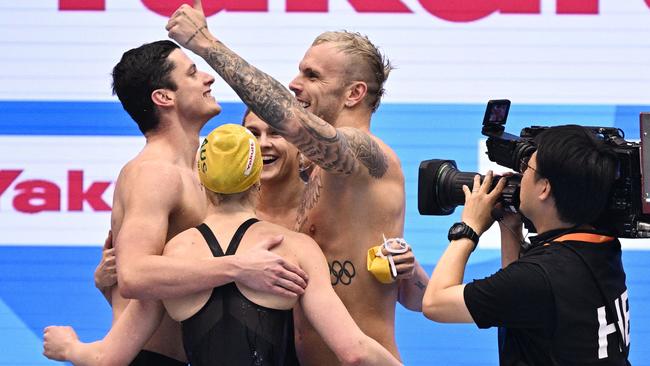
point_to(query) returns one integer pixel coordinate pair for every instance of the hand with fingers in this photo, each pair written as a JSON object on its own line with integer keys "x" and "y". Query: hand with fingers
{"x": 404, "y": 259}
{"x": 480, "y": 201}
{"x": 57, "y": 342}
{"x": 506, "y": 218}
{"x": 265, "y": 271}
{"x": 106, "y": 273}
{"x": 510, "y": 221}
{"x": 188, "y": 26}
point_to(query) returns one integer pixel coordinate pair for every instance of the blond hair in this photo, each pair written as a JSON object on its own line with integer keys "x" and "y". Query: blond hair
{"x": 375, "y": 66}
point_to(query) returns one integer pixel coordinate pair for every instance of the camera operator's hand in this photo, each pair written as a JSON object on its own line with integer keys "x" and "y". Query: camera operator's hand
{"x": 480, "y": 201}
{"x": 510, "y": 221}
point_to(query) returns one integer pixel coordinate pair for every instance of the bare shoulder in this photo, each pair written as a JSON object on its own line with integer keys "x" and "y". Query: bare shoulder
{"x": 375, "y": 155}
{"x": 157, "y": 176}
{"x": 391, "y": 156}
{"x": 148, "y": 169}
{"x": 292, "y": 240}
{"x": 304, "y": 247}
{"x": 184, "y": 244}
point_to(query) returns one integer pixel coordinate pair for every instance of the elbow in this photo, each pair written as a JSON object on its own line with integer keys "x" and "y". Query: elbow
{"x": 432, "y": 310}
{"x": 412, "y": 305}
{"x": 417, "y": 307}
{"x": 354, "y": 358}
{"x": 110, "y": 360}
{"x": 356, "y": 355}
{"x": 128, "y": 285}
{"x": 104, "y": 361}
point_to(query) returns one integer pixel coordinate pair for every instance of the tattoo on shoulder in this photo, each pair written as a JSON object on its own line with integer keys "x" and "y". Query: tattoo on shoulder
{"x": 420, "y": 285}
{"x": 341, "y": 272}
{"x": 367, "y": 151}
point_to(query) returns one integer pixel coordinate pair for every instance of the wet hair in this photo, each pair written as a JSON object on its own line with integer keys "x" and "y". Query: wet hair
{"x": 373, "y": 67}
{"x": 141, "y": 71}
{"x": 580, "y": 168}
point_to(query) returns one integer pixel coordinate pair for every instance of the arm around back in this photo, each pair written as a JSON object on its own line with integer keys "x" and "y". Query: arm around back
{"x": 143, "y": 273}
{"x": 328, "y": 315}
{"x": 142, "y": 234}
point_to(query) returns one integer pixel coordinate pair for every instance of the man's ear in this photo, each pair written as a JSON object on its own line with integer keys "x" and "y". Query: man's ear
{"x": 545, "y": 189}
{"x": 162, "y": 97}
{"x": 355, "y": 93}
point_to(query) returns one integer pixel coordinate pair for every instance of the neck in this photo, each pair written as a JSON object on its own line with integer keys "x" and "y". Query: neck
{"x": 551, "y": 222}
{"x": 358, "y": 118}
{"x": 233, "y": 209}
{"x": 280, "y": 197}
{"x": 182, "y": 140}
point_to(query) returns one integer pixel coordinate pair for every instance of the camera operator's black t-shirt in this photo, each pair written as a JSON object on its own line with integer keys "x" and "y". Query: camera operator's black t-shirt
{"x": 547, "y": 305}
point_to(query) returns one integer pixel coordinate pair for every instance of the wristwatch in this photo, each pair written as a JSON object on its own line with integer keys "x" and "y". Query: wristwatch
{"x": 461, "y": 230}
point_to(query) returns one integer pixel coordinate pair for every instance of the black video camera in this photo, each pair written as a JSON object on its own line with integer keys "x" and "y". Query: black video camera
{"x": 627, "y": 214}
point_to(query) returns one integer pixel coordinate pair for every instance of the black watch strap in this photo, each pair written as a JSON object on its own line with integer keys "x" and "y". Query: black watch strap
{"x": 461, "y": 230}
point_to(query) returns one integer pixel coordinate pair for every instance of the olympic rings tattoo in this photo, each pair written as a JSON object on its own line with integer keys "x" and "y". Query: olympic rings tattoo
{"x": 341, "y": 273}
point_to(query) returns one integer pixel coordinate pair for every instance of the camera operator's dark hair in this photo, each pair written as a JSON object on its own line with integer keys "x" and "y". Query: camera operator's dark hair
{"x": 581, "y": 169}
{"x": 141, "y": 71}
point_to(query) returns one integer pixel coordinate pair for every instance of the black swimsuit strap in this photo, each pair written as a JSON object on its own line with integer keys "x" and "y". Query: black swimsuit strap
{"x": 239, "y": 234}
{"x": 213, "y": 243}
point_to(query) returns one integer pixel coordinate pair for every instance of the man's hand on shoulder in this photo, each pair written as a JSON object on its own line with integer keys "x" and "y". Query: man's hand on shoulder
{"x": 262, "y": 270}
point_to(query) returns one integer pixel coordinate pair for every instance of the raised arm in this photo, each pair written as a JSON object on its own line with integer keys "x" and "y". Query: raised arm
{"x": 511, "y": 238}
{"x": 444, "y": 300}
{"x": 341, "y": 151}
{"x": 328, "y": 315}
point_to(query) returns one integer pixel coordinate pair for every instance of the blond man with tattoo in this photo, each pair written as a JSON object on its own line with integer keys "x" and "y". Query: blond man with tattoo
{"x": 355, "y": 195}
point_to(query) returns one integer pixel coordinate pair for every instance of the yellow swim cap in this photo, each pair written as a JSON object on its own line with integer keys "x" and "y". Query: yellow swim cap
{"x": 230, "y": 160}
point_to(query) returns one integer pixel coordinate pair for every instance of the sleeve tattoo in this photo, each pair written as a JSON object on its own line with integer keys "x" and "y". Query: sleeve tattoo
{"x": 335, "y": 150}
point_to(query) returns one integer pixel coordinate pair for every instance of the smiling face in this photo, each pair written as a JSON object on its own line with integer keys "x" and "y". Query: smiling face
{"x": 193, "y": 98}
{"x": 279, "y": 156}
{"x": 320, "y": 86}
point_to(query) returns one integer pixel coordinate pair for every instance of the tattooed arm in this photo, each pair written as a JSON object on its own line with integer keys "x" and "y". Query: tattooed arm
{"x": 411, "y": 289}
{"x": 342, "y": 151}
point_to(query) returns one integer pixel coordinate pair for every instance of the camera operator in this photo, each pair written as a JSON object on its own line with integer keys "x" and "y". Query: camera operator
{"x": 563, "y": 301}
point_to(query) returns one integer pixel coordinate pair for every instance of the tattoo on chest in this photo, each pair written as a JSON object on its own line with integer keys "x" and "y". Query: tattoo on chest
{"x": 310, "y": 197}
{"x": 341, "y": 272}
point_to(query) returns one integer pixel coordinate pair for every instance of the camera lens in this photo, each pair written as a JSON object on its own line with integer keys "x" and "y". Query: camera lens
{"x": 440, "y": 188}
